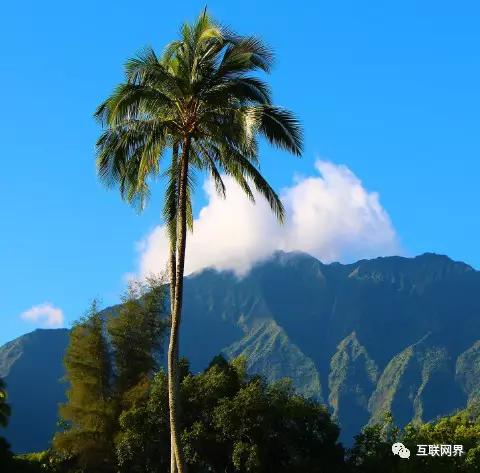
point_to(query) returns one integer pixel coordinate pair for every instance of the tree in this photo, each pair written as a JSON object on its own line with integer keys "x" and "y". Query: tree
{"x": 4, "y": 407}
{"x": 136, "y": 333}
{"x": 38, "y": 463}
{"x": 6, "y": 455}
{"x": 202, "y": 100}
{"x": 459, "y": 429}
{"x": 231, "y": 423}
{"x": 372, "y": 452}
{"x": 90, "y": 408}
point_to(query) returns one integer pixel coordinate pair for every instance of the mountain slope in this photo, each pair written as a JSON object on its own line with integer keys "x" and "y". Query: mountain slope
{"x": 389, "y": 333}
{"x": 270, "y": 352}
{"x": 32, "y": 368}
{"x": 352, "y": 380}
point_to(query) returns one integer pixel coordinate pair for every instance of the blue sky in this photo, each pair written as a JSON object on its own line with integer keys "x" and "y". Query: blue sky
{"x": 387, "y": 89}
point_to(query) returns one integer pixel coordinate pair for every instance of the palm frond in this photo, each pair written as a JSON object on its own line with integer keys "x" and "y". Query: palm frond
{"x": 130, "y": 154}
{"x": 145, "y": 68}
{"x": 246, "y": 54}
{"x": 131, "y": 101}
{"x": 233, "y": 160}
{"x": 170, "y": 51}
{"x": 212, "y": 167}
{"x": 280, "y": 127}
{"x": 237, "y": 92}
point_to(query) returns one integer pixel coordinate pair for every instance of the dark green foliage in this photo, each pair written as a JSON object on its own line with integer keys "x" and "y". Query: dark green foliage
{"x": 45, "y": 461}
{"x": 5, "y": 410}
{"x": 6, "y": 455}
{"x": 231, "y": 422}
{"x": 372, "y": 452}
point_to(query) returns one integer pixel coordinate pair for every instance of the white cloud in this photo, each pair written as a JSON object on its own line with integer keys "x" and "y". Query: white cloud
{"x": 330, "y": 215}
{"x": 45, "y": 315}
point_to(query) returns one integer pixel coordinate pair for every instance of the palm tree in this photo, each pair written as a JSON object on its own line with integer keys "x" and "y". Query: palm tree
{"x": 203, "y": 100}
{"x": 4, "y": 407}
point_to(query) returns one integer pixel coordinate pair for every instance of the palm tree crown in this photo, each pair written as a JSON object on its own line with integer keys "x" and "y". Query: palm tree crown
{"x": 202, "y": 93}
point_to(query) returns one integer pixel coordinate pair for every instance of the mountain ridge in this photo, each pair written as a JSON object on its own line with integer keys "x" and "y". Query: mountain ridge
{"x": 372, "y": 335}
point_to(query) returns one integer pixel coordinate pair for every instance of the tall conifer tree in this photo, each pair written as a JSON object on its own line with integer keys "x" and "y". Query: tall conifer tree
{"x": 136, "y": 333}
{"x": 90, "y": 409}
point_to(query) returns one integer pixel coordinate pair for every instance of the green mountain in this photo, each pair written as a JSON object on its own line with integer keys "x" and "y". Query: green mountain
{"x": 32, "y": 368}
{"x": 391, "y": 333}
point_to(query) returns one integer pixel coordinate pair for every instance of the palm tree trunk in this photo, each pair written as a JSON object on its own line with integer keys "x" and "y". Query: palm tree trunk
{"x": 172, "y": 268}
{"x": 173, "y": 274}
{"x": 173, "y": 349}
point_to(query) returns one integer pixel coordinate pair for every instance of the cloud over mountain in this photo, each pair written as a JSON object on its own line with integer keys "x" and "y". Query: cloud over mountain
{"x": 329, "y": 215}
